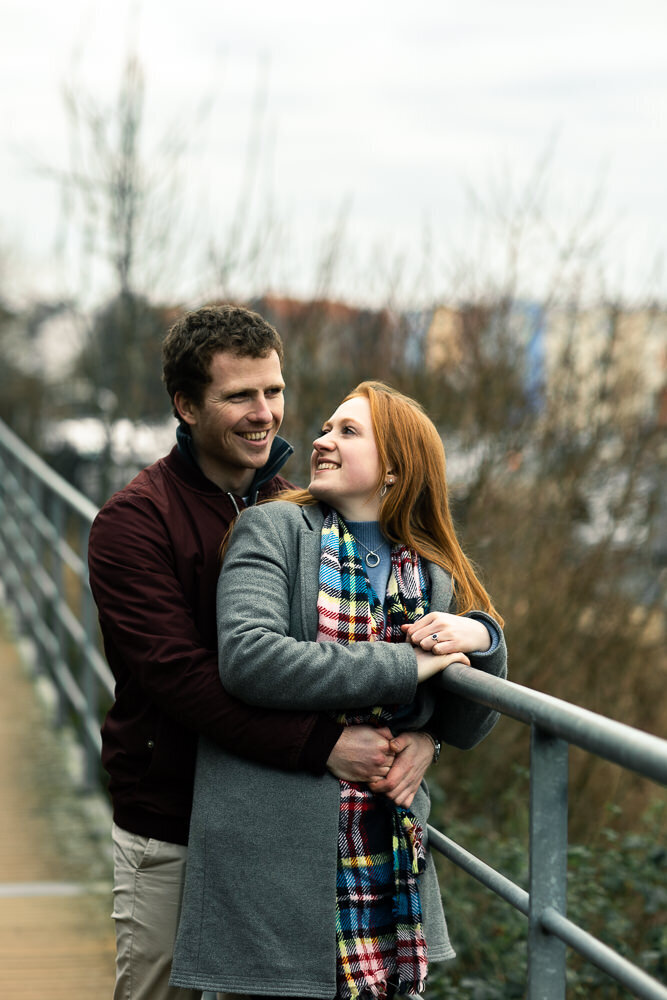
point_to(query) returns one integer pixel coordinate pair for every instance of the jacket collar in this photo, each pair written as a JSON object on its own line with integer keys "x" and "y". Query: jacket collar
{"x": 313, "y": 515}
{"x": 280, "y": 452}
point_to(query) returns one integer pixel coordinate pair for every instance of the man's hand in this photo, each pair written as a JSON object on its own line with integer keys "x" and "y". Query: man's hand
{"x": 362, "y": 753}
{"x": 414, "y": 753}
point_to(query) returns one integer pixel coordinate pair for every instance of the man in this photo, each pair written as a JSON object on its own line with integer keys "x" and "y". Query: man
{"x": 154, "y": 564}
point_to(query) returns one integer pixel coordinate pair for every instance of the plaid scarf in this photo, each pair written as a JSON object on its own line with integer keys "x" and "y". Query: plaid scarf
{"x": 379, "y": 932}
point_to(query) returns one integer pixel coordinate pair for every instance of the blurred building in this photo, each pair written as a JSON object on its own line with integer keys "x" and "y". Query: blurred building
{"x": 609, "y": 361}
{"x": 572, "y": 362}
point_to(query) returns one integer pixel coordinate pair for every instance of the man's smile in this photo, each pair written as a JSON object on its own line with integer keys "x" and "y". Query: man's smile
{"x": 254, "y": 435}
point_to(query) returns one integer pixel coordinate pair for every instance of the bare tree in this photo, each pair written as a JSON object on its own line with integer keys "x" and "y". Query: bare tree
{"x": 552, "y": 409}
{"x": 120, "y": 220}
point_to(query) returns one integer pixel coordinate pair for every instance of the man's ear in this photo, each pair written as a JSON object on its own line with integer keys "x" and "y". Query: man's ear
{"x": 185, "y": 408}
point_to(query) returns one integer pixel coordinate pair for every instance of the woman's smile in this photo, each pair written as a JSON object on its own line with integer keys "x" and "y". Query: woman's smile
{"x": 347, "y": 446}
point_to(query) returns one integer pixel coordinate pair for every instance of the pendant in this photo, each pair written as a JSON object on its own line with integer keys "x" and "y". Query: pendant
{"x": 372, "y": 560}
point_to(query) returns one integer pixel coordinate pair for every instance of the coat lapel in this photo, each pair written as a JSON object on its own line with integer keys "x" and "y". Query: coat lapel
{"x": 310, "y": 538}
{"x": 310, "y": 545}
{"x": 442, "y": 589}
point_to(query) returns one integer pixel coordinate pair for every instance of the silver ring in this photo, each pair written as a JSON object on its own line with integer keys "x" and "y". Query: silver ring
{"x": 435, "y": 636}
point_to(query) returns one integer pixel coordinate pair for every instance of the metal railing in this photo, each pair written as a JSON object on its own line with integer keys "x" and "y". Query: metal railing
{"x": 555, "y": 725}
{"x": 44, "y": 527}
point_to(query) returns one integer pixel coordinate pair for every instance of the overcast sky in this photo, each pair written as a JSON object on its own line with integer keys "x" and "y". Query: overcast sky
{"x": 381, "y": 114}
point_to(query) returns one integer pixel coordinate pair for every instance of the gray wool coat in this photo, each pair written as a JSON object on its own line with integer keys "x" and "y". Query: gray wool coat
{"x": 258, "y": 913}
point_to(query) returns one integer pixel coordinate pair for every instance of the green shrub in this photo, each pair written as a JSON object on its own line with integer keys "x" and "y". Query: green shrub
{"x": 617, "y": 890}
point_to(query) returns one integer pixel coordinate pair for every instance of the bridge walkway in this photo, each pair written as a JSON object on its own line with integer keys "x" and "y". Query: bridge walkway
{"x": 56, "y": 935}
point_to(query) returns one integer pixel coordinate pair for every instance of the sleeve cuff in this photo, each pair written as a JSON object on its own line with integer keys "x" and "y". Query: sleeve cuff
{"x": 321, "y": 740}
{"x": 492, "y": 629}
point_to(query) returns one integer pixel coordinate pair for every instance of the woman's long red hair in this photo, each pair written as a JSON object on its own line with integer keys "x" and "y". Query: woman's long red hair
{"x": 415, "y": 510}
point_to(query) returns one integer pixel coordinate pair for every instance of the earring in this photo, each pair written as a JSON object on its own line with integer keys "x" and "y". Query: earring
{"x": 383, "y": 491}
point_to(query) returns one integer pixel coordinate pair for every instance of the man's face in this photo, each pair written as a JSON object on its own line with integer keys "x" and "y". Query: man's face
{"x": 234, "y": 425}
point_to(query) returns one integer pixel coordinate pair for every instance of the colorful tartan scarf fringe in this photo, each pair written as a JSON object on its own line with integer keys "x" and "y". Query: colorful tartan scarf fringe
{"x": 379, "y": 929}
{"x": 409, "y": 861}
{"x": 379, "y": 936}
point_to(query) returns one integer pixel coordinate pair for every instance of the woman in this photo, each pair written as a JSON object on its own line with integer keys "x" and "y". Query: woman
{"x": 310, "y": 886}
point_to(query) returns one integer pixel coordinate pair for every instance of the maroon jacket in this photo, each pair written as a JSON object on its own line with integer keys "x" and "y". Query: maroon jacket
{"x": 153, "y": 558}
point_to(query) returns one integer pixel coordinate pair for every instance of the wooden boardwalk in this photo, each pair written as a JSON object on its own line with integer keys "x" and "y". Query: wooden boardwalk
{"x": 56, "y": 935}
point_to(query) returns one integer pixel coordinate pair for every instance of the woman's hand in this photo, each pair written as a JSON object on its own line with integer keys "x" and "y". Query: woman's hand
{"x": 440, "y": 632}
{"x": 429, "y": 664}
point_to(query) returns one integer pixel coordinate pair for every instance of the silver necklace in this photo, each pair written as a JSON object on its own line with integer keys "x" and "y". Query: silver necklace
{"x": 372, "y": 559}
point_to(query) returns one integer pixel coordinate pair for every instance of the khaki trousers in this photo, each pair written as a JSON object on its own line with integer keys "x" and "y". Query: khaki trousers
{"x": 148, "y": 887}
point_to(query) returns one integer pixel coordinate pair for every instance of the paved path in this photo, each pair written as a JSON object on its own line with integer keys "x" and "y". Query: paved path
{"x": 56, "y": 936}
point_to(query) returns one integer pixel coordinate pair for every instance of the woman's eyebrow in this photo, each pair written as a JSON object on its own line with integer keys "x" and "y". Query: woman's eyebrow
{"x": 344, "y": 420}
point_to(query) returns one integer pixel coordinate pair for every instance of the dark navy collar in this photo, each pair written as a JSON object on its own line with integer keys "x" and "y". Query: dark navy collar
{"x": 280, "y": 452}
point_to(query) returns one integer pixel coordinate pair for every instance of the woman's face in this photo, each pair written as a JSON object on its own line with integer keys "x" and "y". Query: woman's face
{"x": 345, "y": 466}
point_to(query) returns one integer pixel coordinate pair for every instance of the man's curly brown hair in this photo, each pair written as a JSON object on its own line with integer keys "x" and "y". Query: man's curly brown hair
{"x": 191, "y": 342}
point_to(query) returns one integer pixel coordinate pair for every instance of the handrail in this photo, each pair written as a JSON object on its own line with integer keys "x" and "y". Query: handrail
{"x": 44, "y": 527}
{"x": 29, "y": 460}
{"x": 615, "y": 741}
{"x": 555, "y": 725}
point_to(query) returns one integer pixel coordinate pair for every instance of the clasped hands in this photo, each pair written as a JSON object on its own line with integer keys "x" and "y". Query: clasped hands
{"x": 391, "y": 765}
{"x": 395, "y": 765}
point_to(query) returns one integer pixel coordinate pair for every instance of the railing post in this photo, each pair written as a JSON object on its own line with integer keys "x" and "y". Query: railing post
{"x": 89, "y": 681}
{"x": 24, "y": 544}
{"x": 36, "y": 562}
{"x": 548, "y": 862}
{"x": 12, "y": 513}
{"x": 58, "y": 521}
{"x": 4, "y": 514}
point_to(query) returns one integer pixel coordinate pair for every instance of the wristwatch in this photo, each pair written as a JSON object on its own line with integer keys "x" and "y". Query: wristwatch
{"x": 437, "y": 747}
